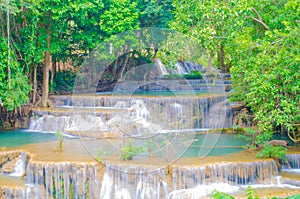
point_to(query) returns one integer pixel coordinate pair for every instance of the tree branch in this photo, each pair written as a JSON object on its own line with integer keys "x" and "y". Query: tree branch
{"x": 259, "y": 20}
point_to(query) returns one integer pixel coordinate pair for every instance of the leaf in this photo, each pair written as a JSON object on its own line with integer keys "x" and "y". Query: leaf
{"x": 251, "y": 193}
{"x": 297, "y": 196}
{"x": 220, "y": 195}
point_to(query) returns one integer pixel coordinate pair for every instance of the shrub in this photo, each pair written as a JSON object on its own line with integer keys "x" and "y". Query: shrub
{"x": 195, "y": 74}
{"x": 63, "y": 82}
{"x": 60, "y": 137}
{"x": 128, "y": 151}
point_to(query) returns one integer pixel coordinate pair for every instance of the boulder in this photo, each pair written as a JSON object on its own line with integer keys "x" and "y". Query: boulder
{"x": 279, "y": 143}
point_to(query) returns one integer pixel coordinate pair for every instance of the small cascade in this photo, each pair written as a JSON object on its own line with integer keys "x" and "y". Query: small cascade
{"x": 291, "y": 170}
{"x": 215, "y": 113}
{"x": 292, "y": 161}
{"x": 20, "y": 166}
{"x": 64, "y": 179}
{"x": 136, "y": 183}
{"x": 239, "y": 173}
{"x": 187, "y": 67}
{"x": 14, "y": 192}
{"x": 13, "y": 162}
{"x": 161, "y": 67}
{"x": 50, "y": 123}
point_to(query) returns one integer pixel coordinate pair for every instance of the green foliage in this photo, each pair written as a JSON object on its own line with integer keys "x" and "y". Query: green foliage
{"x": 195, "y": 74}
{"x": 60, "y": 137}
{"x": 265, "y": 66}
{"x": 296, "y": 196}
{"x": 154, "y": 13}
{"x": 221, "y": 195}
{"x": 269, "y": 151}
{"x": 13, "y": 91}
{"x": 247, "y": 134}
{"x": 251, "y": 193}
{"x": 120, "y": 16}
{"x": 210, "y": 24}
{"x": 63, "y": 82}
{"x": 261, "y": 44}
{"x": 128, "y": 151}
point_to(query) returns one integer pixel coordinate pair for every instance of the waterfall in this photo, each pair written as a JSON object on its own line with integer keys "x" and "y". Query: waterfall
{"x": 92, "y": 180}
{"x": 292, "y": 161}
{"x": 135, "y": 183}
{"x": 20, "y": 166}
{"x": 187, "y": 67}
{"x": 15, "y": 192}
{"x": 161, "y": 67}
{"x": 65, "y": 179}
{"x": 206, "y": 112}
{"x": 215, "y": 113}
{"x": 200, "y": 181}
{"x": 50, "y": 123}
{"x": 239, "y": 173}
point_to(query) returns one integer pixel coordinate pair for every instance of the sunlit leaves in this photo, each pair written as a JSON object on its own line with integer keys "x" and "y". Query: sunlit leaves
{"x": 121, "y": 15}
{"x": 265, "y": 69}
{"x": 14, "y": 92}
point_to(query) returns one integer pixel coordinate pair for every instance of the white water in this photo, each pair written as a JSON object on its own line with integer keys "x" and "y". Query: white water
{"x": 20, "y": 166}
{"x": 161, "y": 67}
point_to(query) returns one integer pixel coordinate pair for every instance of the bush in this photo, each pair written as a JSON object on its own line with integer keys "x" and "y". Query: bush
{"x": 276, "y": 152}
{"x": 63, "y": 82}
{"x": 195, "y": 74}
{"x": 60, "y": 137}
{"x": 128, "y": 151}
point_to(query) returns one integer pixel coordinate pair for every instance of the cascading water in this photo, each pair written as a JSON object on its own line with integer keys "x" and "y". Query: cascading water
{"x": 64, "y": 179}
{"x": 161, "y": 67}
{"x": 210, "y": 116}
{"x": 20, "y": 166}
{"x": 292, "y": 161}
{"x": 239, "y": 173}
{"x": 187, "y": 67}
{"x": 135, "y": 181}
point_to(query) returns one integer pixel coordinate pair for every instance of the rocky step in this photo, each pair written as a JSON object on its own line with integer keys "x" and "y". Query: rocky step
{"x": 290, "y": 176}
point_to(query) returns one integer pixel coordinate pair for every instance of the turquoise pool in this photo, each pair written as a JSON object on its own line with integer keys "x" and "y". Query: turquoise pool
{"x": 15, "y": 138}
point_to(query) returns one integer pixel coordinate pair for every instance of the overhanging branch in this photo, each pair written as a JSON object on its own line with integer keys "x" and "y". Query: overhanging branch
{"x": 259, "y": 20}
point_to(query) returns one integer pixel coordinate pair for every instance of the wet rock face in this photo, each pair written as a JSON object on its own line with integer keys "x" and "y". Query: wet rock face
{"x": 14, "y": 120}
{"x": 8, "y": 160}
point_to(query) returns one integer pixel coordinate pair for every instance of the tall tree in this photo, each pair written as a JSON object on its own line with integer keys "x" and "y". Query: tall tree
{"x": 210, "y": 24}
{"x": 265, "y": 65}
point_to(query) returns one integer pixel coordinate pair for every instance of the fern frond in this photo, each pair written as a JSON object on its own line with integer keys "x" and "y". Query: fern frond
{"x": 220, "y": 195}
{"x": 251, "y": 193}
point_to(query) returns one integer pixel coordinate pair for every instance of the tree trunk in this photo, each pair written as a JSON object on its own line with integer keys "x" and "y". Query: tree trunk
{"x": 221, "y": 59}
{"x": 124, "y": 64}
{"x": 209, "y": 63}
{"x": 46, "y": 75}
{"x": 115, "y": 67}
{"x": 34, "y": 85}
{"x": 53, "y": 71}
